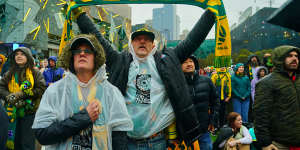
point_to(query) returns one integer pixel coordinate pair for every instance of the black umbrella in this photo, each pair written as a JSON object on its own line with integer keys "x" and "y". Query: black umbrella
{"x": 288, "y": 15}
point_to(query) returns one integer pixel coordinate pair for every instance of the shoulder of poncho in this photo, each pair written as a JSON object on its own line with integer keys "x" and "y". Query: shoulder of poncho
{"x": 56, "y": 86}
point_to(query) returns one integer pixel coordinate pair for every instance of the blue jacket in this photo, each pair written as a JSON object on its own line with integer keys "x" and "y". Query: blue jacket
{"x": 52, "y": 75}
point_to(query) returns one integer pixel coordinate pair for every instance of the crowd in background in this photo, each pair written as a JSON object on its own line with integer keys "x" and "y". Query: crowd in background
{"x": 147, "y": 98}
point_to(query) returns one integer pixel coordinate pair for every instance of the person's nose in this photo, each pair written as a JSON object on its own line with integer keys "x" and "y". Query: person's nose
{"x": 142, "y": 40}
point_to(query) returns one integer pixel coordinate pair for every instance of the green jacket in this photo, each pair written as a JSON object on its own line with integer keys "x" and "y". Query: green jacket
{"x": 241, "y": 86}
{"x": 277, "y": 104}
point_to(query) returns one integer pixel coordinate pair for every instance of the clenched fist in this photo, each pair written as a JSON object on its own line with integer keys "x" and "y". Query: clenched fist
{"x": 93, "y": 110}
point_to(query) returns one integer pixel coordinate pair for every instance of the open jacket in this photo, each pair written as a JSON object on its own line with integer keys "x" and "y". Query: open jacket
{"x": 277, "y": 104}
{"x": 54, "y": 74}
{"x": 168, "y": 63}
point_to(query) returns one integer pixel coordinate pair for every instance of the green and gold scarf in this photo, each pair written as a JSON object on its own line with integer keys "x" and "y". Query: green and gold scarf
{"x": 12, "y": 111}
{"x": 222, "y": 35}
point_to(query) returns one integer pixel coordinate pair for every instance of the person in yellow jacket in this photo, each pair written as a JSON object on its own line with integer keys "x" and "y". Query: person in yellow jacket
{"x": 222, "y": 81}
{"x": 2, "y": 61}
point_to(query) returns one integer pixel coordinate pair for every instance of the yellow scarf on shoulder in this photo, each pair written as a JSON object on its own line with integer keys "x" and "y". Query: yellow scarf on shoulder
{"x": 14, "y": 87}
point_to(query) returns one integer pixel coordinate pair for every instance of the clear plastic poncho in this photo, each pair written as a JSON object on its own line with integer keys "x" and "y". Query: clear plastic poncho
{"x": 146, "y": 97}
{"x": 64, "y": 98}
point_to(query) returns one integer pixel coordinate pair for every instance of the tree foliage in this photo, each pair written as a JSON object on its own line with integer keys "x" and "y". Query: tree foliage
{"x": 237, "y": 57}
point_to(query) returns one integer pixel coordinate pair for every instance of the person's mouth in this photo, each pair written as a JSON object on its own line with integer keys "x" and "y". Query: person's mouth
{"x": 293, "y": 63}
{"x": 143, "y": 47}
{"x": 82, "y": 60}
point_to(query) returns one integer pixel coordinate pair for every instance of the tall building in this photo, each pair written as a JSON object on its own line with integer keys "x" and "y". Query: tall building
{"x": 166, "y": 21}
{"x": 256, "y": 34}
{"x": 36, "y": 23}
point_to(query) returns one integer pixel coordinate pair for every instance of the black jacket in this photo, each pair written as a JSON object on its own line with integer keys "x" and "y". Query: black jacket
{"x": 225, "y": 133}
{"x": 3, "y": 127}
{"x": 205, "y": 98}
{"x": 168, "y": 63}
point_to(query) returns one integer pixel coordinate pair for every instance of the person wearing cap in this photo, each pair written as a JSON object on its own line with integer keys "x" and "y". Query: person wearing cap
{"x": 153, "y": 83}
{"x": 205, "y": 99}
{"x": 277, "y": 99}
{"x": 82, "y": 110}
{"x": 22, "y": 88}
{"x": 52, "y": 73}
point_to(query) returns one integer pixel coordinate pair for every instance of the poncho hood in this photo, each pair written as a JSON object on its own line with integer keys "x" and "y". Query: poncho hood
{"x": 66, "y": 58}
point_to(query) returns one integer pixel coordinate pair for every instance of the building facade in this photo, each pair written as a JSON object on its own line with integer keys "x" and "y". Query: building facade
{"x": 256, "y": 34}
{"x": 39, "y": 23}
{"x": 166, "y": 21}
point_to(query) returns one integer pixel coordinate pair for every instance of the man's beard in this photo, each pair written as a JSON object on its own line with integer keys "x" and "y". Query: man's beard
{"x": 255, "y": 63}
{"x": 289, "y": 68}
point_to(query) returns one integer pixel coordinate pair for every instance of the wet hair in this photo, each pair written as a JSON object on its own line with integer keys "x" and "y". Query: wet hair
{"x": 231, "y": 118}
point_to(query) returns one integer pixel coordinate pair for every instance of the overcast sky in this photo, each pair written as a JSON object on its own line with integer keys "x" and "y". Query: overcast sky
{"x": 190, "y": 14}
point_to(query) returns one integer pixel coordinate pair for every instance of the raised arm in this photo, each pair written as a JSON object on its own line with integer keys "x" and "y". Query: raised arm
{"x": 86, "y": 26}
{"x": 196, "y": 36}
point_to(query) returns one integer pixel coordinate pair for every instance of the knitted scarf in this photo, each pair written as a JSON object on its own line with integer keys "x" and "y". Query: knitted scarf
{"x": 12, "y": 111}
{"x": 250, "y": 72}
{"x": 223, "y": 80}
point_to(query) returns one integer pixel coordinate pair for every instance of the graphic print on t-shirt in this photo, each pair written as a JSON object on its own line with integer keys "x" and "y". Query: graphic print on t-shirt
{"x": 143, "y": 87}
{"x": 83, "y": 140}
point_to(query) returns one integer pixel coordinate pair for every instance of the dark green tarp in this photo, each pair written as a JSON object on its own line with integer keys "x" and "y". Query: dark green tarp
{"x": 288, "y": 15}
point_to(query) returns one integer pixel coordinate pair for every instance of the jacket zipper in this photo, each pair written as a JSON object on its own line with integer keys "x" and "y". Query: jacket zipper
{"x": 194, "y": 91}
